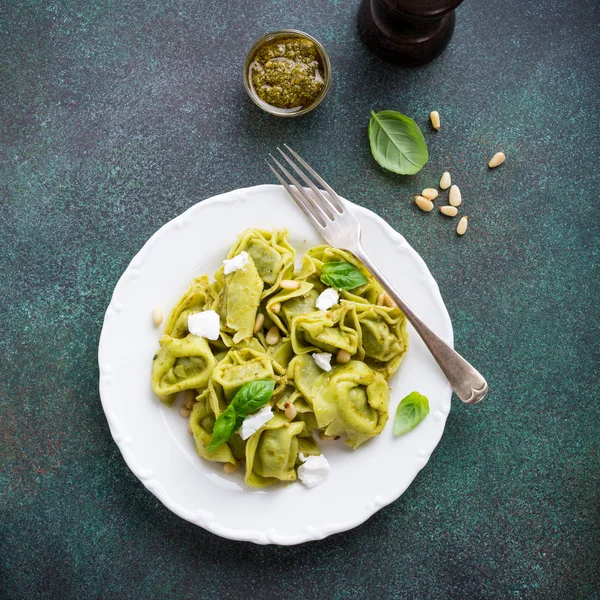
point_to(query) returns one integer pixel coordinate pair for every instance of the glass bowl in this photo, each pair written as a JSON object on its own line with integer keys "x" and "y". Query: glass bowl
{"x": 287, "y": 112}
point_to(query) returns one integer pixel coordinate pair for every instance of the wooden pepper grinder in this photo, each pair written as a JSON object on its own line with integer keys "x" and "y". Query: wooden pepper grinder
{"x": 407, "y": 32}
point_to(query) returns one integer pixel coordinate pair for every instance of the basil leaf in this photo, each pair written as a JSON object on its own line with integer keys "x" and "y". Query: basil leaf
{"x": 252, "y": 396}
{"x": 249, "y": 398}
{"x": 224, "y": 428}
{"x": 410, "y": 412}
{"x": 397, "y": 143}
{"x": 342, "y": 275}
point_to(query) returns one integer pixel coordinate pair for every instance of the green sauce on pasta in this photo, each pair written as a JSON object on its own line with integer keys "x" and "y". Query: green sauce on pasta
{"x": 349, "y": 401}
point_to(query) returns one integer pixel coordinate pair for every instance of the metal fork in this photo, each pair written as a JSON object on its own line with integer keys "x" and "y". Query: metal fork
{"x": 341, "y": 229}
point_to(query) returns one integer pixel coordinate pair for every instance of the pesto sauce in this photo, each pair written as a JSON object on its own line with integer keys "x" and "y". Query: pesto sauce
{"x": 286, "y": 73}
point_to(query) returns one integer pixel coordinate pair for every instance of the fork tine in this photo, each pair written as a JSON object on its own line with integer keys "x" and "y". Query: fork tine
{"x": 299, "y": 199}
{"x": 325, "y": 204}
{"x": 317, "y": 212}
{"x": 335, "y": 199}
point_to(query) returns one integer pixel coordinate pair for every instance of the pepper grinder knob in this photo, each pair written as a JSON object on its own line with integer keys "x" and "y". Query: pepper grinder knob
{"x": 407, "y": 32}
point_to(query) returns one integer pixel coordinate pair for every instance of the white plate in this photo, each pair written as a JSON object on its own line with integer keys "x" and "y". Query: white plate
{"x": 153, "y": 438}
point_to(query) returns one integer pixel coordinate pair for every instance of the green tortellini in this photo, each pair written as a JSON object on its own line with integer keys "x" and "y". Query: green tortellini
{"x": 271, "y": 253}
{"x": 299, "y": 305}
{"x": 202, "y": 420}
{"x": 199, "y": 296}
{"x": 270, "y": 332}
{"x": 331, "y": 331}
{"x": 384, "y": 338}
{"x": 352, "y": 401}
{"x": 181, "y": 364}
{"x": 313, "y": 261}
{"x": 304, "y": 372}
{"x": 272, "y": 452}
{"x": 291, "y": 303}
{"x": 240, "y": 299}
{"x": 282, "y": 352}
{"x": 244, "y": 365}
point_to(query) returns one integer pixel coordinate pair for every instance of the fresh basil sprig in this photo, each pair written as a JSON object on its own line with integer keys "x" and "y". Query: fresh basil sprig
{"x": 410, "y": 412}
{"x": 223, "y": 429}
{"x": 249, "y": 398}
{"x": 397, "y": 143}
{"x": 252, "y": 396}
{"x": 342, "y": 275}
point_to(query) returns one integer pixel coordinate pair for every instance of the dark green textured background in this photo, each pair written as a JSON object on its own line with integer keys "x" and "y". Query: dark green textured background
{"x": 115, "y": 116}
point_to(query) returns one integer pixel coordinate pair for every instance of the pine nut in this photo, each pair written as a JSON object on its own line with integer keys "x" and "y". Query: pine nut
{"x": 185, "y": 412}
{"x": 430, "y": 193}
{"x": 289, "y": 284}
{"x": 461, "y": 228}
{"x": 454, "y": 197}
{"x": 290, "y": 410}
{"x": 189, "y": 396}
{"x": 435, "y": 119}
{"x": 326, "y": 438}
{"x": 387, "y": 301}
{"x": 272, "y": 336}
{"x": 276, "y": 308}
{"x": 497, "y": 160}
{"x": 286, "y": 424}
{"x": 381, "y": 299}
{"x": 157, "y": 315}
{"x": 260, "y": 321}
{"x": 231, "y": 468}
{"x": 445, "y": 181}
{"x": 343, "y": 356}
{"x": 424, "y": 204}
{"x": 449, "y": 211}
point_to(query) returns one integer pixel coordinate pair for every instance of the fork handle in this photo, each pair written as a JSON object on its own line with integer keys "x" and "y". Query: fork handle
{"x": 466, "y": 381}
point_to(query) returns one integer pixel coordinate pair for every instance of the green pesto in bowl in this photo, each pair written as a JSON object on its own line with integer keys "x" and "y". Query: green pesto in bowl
{"x": 287, "y": 73}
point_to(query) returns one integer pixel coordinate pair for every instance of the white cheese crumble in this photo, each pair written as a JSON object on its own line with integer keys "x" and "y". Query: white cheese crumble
{"x": 252, "y": 423}
{"x": 323, "y": 360}
{"x": 205, "y": 324}
{"x": 314, "y": 470}
{"x": 236, "y": 263}
{"x": 298, "y": 262}
{"x": 327, "y": 299}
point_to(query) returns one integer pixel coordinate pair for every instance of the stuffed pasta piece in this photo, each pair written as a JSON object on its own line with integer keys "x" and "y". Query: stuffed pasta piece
{"x": 181, "y": 364}
{"x": 312, "y": 265}
{"x": 290, "y": 303}
{"x": 205, "y": 412}
{"x": 244, "y": 365}
{"x": 384, "y": 338}
{"x": 271, "y": 253}
{"x": 330, "y": 331}
{"x": 198, "y": 297}
{"x": 240, "y": 294}
{"x": 303, "y": 372}
{"x": 351, "y": 400}
{"x": 184, "y": 361}
{"x": 316, "y": 257}
{"x": 272, "y": 453}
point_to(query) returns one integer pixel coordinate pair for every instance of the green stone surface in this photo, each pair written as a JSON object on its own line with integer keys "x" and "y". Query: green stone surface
{"x": 115, "y": 116}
